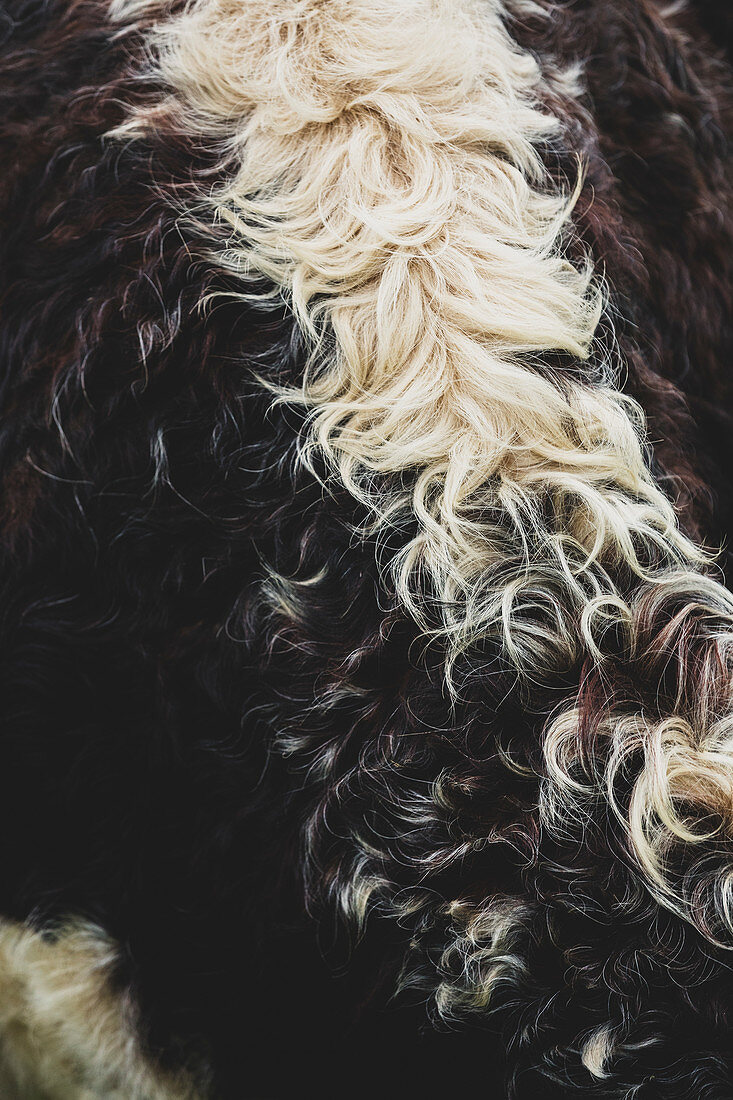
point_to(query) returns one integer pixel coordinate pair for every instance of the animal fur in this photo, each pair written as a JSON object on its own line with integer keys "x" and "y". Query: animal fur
{"x": 67, "y": 1032}
{"x": 364, "y": 445}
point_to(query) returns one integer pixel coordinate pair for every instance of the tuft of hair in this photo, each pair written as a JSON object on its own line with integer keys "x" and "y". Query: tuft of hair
{"x": 387, "y": 178}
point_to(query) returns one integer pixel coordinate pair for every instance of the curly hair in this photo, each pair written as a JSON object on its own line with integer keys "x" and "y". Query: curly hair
{"x": 364, "y": 445}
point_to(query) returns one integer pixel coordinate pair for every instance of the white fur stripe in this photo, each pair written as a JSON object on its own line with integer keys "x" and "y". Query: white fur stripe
{"x": 384, "y": 173}
{"x": 387, "y": 178}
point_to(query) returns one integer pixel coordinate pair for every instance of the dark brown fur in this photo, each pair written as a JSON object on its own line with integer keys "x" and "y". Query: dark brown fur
{"x": 150, "y": 681}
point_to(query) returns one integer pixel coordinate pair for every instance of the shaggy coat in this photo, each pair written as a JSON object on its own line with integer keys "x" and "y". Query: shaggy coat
{"x": 366, "y": 428}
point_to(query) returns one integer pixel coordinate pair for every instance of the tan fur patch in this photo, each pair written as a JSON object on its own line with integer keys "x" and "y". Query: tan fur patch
{"x": 65, "y": 1034}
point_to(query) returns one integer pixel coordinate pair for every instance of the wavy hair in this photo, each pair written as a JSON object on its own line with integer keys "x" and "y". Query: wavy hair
{"x": 384, "y": 171}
